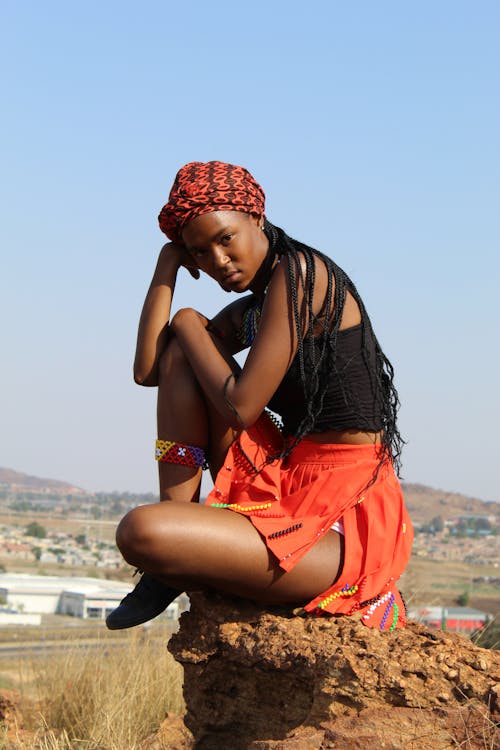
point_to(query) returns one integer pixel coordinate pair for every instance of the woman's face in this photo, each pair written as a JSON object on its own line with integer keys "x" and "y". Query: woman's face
{"x": 229, "y": 246}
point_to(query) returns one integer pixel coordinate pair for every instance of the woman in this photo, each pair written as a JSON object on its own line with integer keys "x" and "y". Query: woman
{"x": 309, "y": 515}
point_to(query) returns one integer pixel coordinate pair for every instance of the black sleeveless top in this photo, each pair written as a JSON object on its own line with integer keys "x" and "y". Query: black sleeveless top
{"x": 352, "y": 399}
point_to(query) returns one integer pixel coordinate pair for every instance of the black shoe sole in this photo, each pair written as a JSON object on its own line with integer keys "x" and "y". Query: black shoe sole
{"x": 117, "y": 620}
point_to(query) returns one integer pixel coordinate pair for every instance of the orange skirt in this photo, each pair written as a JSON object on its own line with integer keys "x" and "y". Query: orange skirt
{"x": 293, "y": 502}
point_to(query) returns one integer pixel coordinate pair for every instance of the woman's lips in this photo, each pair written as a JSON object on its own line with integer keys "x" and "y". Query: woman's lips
{"x": 228, "y": 278}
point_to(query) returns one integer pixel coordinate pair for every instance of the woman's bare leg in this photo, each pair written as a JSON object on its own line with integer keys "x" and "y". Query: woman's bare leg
{"x": 187, "y": 545}
{"x": 183, "y": 415}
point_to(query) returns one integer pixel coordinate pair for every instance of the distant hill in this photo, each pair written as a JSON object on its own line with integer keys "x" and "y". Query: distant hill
{"x": 425, "y": 503}
{"x": 16, "y": 481}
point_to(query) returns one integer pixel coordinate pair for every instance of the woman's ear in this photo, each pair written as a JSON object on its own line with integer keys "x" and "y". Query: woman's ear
{"x": 258, "y": 219}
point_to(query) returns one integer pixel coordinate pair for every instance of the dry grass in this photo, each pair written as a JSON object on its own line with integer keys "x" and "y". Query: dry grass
{"x": 100, "y": 699}
{"x": 477, "y": 731}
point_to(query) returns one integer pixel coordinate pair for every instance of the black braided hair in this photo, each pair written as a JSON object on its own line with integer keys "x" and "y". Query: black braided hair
{"x": 323, "y": 358}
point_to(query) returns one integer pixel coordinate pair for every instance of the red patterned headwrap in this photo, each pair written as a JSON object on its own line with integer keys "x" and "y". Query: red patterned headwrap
{"x": 200, "y": 188}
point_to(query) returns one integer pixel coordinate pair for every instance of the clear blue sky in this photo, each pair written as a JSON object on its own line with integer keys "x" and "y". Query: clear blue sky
{"x": 374, "y": 129}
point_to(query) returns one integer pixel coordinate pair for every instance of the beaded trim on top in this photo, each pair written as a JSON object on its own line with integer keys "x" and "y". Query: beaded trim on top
{"x": 250, "y": 324}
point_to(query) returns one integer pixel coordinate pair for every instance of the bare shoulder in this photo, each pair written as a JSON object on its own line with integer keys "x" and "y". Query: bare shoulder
{"x": 301, "y": 275}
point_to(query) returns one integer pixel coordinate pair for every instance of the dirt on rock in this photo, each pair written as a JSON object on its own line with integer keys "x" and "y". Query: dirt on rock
{"x": 256, "y": 678}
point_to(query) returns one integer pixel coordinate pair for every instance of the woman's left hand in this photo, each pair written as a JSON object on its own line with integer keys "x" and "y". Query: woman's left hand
{"x": 190, "y": 264}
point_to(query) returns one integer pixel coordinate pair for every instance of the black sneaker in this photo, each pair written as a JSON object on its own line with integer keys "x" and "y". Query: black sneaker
{"x": 149, "y": 599}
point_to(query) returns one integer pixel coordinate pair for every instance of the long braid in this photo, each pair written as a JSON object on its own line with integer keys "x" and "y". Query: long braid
{"x": 323, "y": 360}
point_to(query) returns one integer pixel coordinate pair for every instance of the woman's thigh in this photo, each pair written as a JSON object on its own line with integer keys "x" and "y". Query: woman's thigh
{"x": 189, "y": 545}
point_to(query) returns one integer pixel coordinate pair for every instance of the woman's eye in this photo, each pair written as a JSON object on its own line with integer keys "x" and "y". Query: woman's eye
{"x": 226, "y": 239}
{"x": 198, "y": 252}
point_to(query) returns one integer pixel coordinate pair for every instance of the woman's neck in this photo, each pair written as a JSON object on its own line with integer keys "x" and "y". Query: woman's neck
{"x": 263, "y": 276}
{"x": 272, "y": 257}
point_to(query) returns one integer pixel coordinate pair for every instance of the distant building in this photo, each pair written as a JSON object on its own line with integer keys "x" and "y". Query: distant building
{"x": 80, "y": 597}
{"x": 11, "y": 617}
{"x": 18, "y": 550}
{"x": 457, "y": 619}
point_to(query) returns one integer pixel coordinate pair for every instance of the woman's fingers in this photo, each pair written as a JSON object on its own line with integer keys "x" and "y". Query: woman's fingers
{"x": 186, "y": 260}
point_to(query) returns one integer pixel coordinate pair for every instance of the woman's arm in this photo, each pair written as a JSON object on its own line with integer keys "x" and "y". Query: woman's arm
{"x": 242, "y": 401}
{"x": 153, "y": 324}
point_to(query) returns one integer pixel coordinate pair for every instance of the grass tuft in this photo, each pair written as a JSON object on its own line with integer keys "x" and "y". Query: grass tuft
{"x": 109, "y": 698}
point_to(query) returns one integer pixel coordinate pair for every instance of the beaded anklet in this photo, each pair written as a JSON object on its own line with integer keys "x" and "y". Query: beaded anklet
{"x": 171, "y": 452}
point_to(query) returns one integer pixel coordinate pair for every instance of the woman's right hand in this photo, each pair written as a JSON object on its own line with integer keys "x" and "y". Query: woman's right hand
{"x": 174, "y": 250}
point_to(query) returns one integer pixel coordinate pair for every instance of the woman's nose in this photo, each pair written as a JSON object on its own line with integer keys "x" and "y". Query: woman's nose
{"x": 221, "y": 259}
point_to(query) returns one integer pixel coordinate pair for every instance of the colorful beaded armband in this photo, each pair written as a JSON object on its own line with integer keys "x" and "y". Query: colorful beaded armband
{"x": 170, "y": 452}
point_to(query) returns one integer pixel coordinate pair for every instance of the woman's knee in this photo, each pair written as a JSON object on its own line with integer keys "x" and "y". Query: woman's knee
{"x": 134, "y": 534}
{"x": 147, "y": 536}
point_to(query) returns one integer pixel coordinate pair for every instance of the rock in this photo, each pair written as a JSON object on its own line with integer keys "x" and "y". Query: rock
{"x": 172, "y": 735}
{"x": 262, "y": 679}
{"x": 12, "y": 734}
{"x": 10, "y": 713}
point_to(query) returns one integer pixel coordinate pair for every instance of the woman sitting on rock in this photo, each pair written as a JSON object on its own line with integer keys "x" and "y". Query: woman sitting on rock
{"x": 310, "y": 514}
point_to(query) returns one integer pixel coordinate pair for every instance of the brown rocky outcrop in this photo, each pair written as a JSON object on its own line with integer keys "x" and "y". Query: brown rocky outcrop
{"x": 10, "y": 713}
{"x": 172, "y": 735}
{"x": 264, "y": 679}
{"x": 12, "y": 734}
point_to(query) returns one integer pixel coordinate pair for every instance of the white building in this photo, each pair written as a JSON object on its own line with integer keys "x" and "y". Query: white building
{"x": 79, "y": 597}
{"x": 10, "y": 617}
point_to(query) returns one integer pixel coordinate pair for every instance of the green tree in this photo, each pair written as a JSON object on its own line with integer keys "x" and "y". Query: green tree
{"x": 463, "y": 599}
{"x": 35, "y": 529}
{"x": 116, "y": 508}
{"x": 482, "y": 524}
{"x": 437, "y": 523}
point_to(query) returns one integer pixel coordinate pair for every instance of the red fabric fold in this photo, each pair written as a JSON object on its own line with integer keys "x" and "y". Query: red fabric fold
{"x": 292, "y": 503}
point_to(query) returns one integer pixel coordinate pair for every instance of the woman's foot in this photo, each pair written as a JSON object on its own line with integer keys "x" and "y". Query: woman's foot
{"x": 149, "y": 599}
